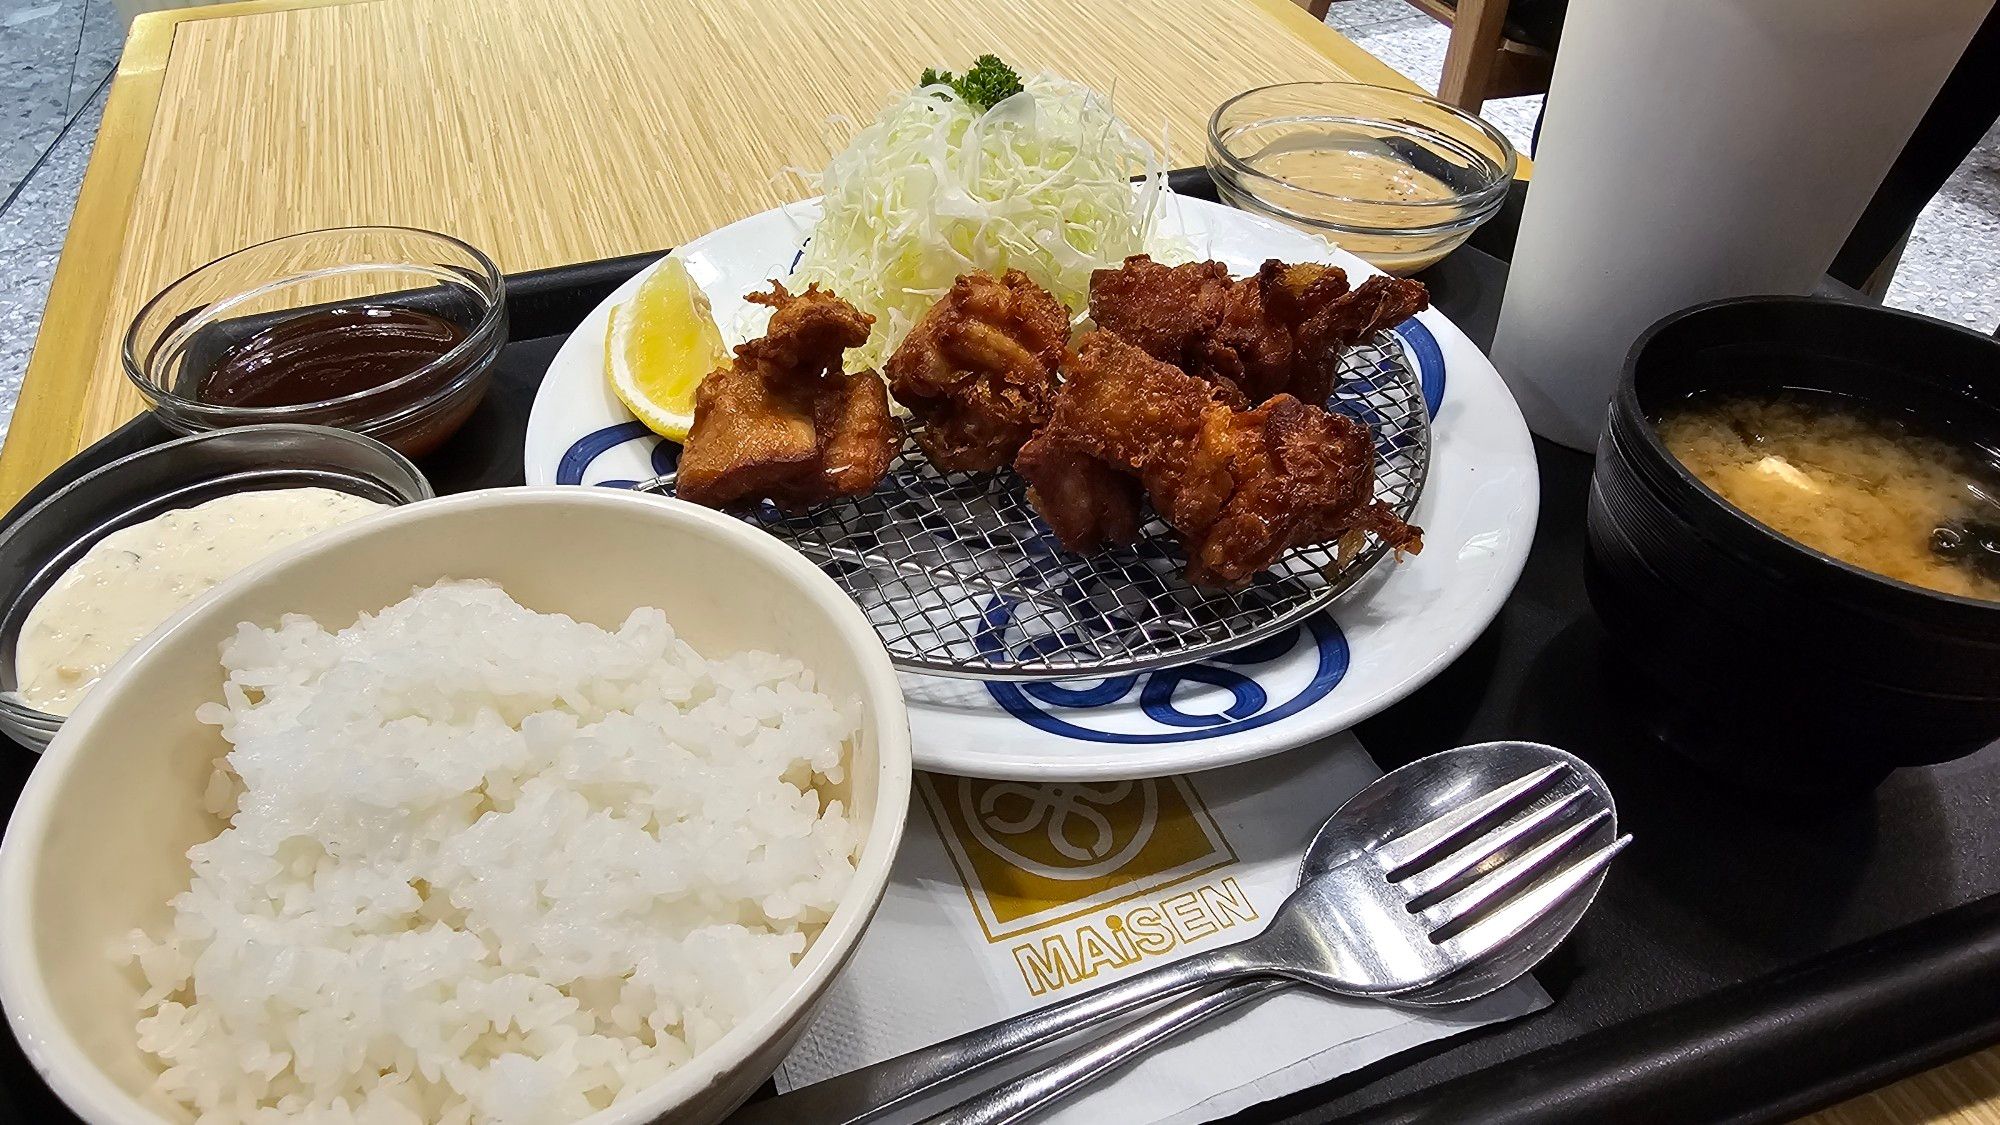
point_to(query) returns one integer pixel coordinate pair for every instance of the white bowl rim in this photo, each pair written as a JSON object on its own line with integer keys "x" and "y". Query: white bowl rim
{"x": 32, "y": 1016}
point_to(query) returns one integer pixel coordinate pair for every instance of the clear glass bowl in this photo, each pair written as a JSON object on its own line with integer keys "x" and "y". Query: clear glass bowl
{"x": 1391, "y": 176}
{"x": 42, "y": 544}
{"x": 177, "y": 338}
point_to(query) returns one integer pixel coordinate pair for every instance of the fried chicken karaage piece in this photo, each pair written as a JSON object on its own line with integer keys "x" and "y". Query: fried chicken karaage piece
{"x": 1278, "y": 332}
{"x": 1166, "y": 311}
{"x": 979, "y": 370}
{"x": 1241, "y": 487}
{"x": 784, "y": 422}
{"x": 1087, "y": 503}
{"x": 1302, "y": 474}
{"x": 1266, "y": 344}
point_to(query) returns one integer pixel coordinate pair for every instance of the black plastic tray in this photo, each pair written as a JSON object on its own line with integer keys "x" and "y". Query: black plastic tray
{"x": 1748, "y": 960}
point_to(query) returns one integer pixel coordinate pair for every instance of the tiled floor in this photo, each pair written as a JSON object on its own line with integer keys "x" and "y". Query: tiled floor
{"x": 53, "y": 53}
{"x": 55, "y": 56}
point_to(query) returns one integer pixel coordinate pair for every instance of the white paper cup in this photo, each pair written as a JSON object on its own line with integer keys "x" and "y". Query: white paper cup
{"x": 1696, "y": 150}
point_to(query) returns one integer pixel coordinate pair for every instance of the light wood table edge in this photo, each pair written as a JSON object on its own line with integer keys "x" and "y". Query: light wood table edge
{"x": 45, "y": 428}
{"x": 1336, "y": 47}
{"x": 47, "y": 425}
{"x": 1341, "y": 50}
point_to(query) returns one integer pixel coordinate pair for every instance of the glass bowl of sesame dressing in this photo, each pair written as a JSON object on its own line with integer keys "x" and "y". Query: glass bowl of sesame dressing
{"x": 1389, "y": 175}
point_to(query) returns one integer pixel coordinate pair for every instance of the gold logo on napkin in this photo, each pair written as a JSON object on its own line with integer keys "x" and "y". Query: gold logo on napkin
{"x": 1034, "y": 855}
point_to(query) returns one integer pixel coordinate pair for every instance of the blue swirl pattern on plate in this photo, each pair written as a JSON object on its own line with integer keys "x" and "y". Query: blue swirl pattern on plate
{"x": 1062, "y": 708}
{"x": 1423, "y": 348}
{"x": 577, "y": 458}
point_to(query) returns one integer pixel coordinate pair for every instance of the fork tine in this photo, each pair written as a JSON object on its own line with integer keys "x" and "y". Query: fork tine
{"x": 1512, "y": 919}
{"x": 1420, "y": 844}
{"x": 1441, "y": 876}
{"x": 1510, "y": 878}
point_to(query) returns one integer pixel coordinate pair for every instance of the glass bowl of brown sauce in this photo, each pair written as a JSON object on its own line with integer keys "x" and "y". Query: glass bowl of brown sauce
{"x": 386, "y": 331}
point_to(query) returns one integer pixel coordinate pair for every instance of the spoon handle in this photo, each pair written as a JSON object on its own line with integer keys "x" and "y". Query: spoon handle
{"x": 1038, "y": 1091}
{"x": 860, "y": 1094}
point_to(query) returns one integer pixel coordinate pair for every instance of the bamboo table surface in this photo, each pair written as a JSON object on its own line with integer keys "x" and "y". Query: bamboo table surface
{"x": 552, "y": 131}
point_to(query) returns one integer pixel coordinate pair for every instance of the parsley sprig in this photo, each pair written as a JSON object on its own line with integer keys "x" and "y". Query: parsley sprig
{"x": 986, "y": 84}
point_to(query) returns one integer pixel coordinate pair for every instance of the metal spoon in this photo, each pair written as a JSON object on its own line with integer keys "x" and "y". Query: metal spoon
{"x": 1420, "y": 791}
{"x": 1429, "y": 872}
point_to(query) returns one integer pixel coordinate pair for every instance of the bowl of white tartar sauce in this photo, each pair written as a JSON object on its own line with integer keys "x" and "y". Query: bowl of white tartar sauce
{"x": 90, "y": 571}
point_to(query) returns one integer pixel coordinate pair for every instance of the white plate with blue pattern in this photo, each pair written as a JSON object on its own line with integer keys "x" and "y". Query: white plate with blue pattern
{"x": 1385, "y": 638}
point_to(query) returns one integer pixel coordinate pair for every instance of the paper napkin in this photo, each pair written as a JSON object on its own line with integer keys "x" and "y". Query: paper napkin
{"x": 1009, "y": 895}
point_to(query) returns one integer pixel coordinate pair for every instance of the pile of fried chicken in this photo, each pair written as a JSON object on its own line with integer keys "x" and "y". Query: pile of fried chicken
{"x": 1199, "y": 392}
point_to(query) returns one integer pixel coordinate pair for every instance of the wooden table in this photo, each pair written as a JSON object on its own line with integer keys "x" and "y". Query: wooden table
{"x": 548, "y": 131}
{"x": 552, "y": 131}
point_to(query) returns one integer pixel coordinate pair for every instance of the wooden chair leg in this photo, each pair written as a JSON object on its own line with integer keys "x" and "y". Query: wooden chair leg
{"x": 1474, "y": 48}
{"x": 1318, "y": 8}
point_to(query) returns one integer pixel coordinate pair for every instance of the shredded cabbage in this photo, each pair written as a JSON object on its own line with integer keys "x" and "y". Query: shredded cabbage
{"x": 1042, "y": 183}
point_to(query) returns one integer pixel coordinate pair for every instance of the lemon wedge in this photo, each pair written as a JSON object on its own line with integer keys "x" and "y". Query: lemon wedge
{"x": 658, "y": 348}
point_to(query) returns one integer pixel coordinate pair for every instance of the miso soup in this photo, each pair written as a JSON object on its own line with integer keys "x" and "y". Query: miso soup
{"x": 1864, "y": 487}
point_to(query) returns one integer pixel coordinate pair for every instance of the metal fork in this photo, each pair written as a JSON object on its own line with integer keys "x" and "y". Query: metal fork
{"x": 1504, "y": 836}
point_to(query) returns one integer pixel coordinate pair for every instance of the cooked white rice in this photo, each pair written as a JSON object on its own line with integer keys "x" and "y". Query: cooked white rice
{"x": 485, "y": 864}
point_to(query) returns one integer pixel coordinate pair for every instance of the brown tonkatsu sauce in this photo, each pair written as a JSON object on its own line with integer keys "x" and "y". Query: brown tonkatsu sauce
{"x": 327, "y": 355}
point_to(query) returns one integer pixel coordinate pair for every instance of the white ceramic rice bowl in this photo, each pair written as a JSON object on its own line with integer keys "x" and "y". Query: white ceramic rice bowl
{"x": 97, "y": 844}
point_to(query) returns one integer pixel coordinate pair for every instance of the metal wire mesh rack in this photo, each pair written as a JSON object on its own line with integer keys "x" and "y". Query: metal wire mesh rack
{"x": 961, "y": 578}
